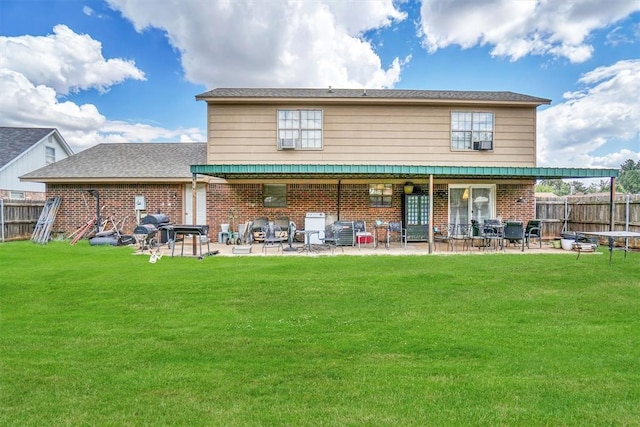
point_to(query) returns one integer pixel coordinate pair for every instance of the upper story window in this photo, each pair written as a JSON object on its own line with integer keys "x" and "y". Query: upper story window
{"x": 49, "y": 155}
{"x": 471, "y": 131}
{"x": 300, "y": 129}
{"x": 380, "y": 195}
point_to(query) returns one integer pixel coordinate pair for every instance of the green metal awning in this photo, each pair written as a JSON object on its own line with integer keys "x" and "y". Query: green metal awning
{"x": 327, "y": 171}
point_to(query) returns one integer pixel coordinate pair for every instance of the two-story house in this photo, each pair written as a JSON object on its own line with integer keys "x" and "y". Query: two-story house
{"x": 352, "y": 155}
{"x": 367, "y": 154}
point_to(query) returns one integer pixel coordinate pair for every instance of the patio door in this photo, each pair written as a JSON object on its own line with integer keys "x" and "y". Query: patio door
{"x": 471, "y": 202}
{"x": 201, "y": 204}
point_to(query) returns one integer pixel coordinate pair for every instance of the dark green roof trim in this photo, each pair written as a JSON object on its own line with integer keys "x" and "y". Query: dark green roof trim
{"x": 243, "y": 171}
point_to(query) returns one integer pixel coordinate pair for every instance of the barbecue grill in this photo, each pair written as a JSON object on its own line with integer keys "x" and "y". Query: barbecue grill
{"x": 160, "y": 222}
{"x": 145, "y": 236}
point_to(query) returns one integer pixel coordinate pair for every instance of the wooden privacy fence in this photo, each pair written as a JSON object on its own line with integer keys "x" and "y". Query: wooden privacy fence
{"x": 18, "y": 218}
{"x": 588, "y": 213}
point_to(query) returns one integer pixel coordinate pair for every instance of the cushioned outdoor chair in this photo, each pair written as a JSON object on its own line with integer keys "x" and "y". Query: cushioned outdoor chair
{"x": 514, "y": 233}
{"x": 257, "y": 228}
{"x": 533, "y": 231}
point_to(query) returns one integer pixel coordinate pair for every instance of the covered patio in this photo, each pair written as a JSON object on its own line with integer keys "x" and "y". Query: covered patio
{"x": 433, "y": 177}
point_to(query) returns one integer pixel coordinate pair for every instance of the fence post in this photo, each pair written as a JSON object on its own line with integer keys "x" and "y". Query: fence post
{"x": 612, "y": 207}
{"x": 2, "y": 217}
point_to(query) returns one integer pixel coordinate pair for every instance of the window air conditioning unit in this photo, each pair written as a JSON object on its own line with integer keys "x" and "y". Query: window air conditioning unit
{"x": 482, "y": 145}
{"x": 287, "y": 143}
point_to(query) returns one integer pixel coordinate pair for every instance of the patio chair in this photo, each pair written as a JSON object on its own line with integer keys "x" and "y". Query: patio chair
{"x": 514, "y": 233}
{"x": 396, "y": 227}
{"x": 493, "y": 234}
{"x": 272, "y": 237}
{"x": 362, "y": 235}
{"x": 283, "y": 223}
{"x": 331, "y": 238}
{"x": 533, "y": 231}
{"x": 257, "y": 228}
{"x": 441, "y": 235}
{"x": 460, "y": 233}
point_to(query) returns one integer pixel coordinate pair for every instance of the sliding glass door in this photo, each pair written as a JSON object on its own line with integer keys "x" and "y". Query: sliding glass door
{"x": 471, "y": 202}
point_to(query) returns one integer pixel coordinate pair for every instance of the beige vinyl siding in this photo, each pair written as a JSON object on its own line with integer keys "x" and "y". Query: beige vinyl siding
{"x": 371, "y": 134}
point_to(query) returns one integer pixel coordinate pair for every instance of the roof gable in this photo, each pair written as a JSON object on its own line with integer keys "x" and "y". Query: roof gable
{"x": 15, "y": 141}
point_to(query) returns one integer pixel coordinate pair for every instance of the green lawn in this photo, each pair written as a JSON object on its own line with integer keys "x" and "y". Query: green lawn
{"x": 96, "y": 336}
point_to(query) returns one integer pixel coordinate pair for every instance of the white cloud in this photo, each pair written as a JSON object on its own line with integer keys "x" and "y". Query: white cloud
{"x": 65, "y": 61}
{"x": 24, "y": 104}
{"x": 273, "y": 43}
{"x": 519, "y": 28}
{"x": 605, "y": 111}
{"x": 36, "y": 71}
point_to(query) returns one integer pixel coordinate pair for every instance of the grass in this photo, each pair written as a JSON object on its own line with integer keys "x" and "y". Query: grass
{"x": 96, "y": 336}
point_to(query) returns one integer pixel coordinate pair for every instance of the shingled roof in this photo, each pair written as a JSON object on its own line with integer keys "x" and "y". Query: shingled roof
{"x": 127, "y": 162}
{"x": 379, "y": 94}
{"x": 15, "y": 141}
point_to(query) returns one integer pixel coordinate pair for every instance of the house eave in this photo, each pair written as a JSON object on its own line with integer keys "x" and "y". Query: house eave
{"x": 98, "y": 180}
{"x": 355, "y": 171}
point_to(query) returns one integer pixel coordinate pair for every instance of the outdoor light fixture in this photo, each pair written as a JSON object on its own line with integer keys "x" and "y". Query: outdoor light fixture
{"x": 520, "y": 200}
{"x": 408, "y": 187}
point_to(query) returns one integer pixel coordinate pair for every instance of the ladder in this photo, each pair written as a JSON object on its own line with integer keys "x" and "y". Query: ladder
{"x": 42, "y": 230}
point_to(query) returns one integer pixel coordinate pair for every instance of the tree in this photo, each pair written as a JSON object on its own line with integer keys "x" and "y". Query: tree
{"x": 577, "y": 187}
{"x": 629, "y": 178}
{"x": 556, "y": 186}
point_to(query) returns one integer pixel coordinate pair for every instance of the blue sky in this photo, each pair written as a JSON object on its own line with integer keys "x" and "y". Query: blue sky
{"x": 129, "y": 70}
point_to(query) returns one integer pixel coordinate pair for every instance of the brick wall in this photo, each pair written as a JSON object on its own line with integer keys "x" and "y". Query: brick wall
{"x": 78, "y": 206}
{"x": 508, "y": 205}
{"x": 244, "y": 203}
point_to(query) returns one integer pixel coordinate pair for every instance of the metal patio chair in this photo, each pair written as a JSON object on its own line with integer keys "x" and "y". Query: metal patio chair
{"x": 272, "y": 235}
{"x": 396, "y": 227}
{"x": 533, "y": 231}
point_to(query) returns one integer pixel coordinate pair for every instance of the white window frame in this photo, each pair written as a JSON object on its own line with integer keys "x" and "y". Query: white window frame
{"x": 300, "y": 129}
{"x": 49, "y": 155}
{"x": 472, "y": 130}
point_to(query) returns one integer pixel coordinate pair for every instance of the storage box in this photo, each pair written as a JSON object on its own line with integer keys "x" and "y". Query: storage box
{"x": 364, "y": 239}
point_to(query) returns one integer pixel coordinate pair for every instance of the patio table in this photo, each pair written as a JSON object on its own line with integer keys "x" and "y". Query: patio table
{"x": 611, "y": 236}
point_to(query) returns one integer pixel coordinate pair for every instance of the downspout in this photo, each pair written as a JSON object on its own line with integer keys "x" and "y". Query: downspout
{"x": 338, "y": 201}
